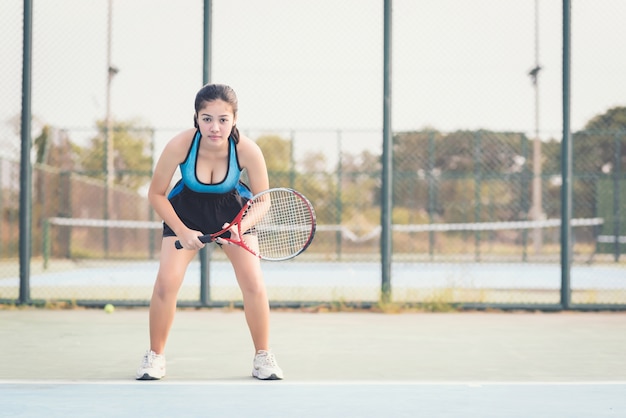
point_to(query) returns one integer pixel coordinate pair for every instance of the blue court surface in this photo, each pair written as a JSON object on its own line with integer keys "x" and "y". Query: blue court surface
{"x": 305, "y": 399}
{"x": 326, "y": 281}
{"x": 304, "y": 275}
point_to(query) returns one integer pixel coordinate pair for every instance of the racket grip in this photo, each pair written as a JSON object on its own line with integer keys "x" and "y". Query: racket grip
{"x": 203, "y": 238}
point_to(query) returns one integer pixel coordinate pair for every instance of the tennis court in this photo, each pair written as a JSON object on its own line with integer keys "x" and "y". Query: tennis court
{"x": 461, "y": 200}
{"x": 324, "y": 281}
{"x": 81, "y": 362}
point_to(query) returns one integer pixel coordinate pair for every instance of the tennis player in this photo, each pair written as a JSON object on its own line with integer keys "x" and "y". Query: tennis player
{"x": 211, "y": 157}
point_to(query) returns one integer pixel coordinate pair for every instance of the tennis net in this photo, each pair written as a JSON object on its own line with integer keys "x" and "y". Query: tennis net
{"x": 480, "y": 241}
{"x": 74, "y": 238}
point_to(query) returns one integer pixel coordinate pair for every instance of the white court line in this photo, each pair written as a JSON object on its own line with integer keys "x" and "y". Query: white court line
{"x": 477, "y": 383}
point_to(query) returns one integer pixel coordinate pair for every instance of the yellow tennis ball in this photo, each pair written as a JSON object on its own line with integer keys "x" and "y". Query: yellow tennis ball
{"x": 108, "y": 308}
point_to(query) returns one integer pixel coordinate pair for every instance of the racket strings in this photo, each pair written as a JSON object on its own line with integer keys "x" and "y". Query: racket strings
{"x": 284, "y": 224}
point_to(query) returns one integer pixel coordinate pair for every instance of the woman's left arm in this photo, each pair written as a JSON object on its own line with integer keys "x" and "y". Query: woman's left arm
{"x": 251, "y": 158}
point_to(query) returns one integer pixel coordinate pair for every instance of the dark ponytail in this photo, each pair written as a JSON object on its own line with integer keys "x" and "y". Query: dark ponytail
{"x": 235, "y": 134}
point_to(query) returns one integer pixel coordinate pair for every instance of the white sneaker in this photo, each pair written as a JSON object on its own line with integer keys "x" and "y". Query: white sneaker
{"x": 265, "y": 367}
{"x": 152, "y": 366}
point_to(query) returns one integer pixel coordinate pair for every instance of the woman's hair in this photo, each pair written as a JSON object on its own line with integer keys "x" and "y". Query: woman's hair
{"x": 211, "y": 92}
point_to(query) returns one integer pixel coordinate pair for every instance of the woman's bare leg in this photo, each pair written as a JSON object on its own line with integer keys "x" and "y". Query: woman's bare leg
{"x": 172, "y": 268}
{"x": 256, "y": 306}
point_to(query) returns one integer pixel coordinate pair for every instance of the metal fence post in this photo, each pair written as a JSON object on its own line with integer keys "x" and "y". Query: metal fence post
{"x": 338, "y": 198}
{"x": 432, "y": 193}
{"x": 617, "y": 224}
{"x": 478, "y": 164}
{"x": 524, "y": 196}
{"x": 25, "y": 164}
{"x": 566, "y": 164}
{"x": 205, "y": 253}
{"x": 387, "y": 184}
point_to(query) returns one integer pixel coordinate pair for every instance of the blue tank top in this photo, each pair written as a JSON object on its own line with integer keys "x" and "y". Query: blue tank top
{"x": 190, "y": 179}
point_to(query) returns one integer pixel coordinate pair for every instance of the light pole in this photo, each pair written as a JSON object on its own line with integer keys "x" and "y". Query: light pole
{"x": 108, "y": 138}
{"x": 537, "y": 210}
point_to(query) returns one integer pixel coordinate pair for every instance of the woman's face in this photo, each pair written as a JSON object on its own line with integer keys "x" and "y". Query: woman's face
{"x": 216, "y": 120}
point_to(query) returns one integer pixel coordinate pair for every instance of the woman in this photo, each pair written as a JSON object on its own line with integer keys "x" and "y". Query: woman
{"x": 211, "y": 157}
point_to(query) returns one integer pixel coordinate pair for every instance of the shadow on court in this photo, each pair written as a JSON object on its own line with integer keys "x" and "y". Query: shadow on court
{"x": 394, "y": 362}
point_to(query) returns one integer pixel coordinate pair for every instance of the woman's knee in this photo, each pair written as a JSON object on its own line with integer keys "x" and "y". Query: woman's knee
{"x": 252, "y": 286}
{"x": 167, "y": 287}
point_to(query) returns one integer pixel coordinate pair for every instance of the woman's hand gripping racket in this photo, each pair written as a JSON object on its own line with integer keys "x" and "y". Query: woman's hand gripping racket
{"x": 277, "y": 224}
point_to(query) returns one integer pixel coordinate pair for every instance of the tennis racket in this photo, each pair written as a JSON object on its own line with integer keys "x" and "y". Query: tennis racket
{"x": 276, "y": 224}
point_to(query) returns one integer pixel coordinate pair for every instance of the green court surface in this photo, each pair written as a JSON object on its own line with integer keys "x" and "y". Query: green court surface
{"x": 81, "y": 363}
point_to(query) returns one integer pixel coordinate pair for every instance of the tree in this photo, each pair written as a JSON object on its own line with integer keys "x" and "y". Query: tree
{"x": 132, "y": 158}
{"x": 612, "y": 120}
{"x": 277, "y": 152}
{"x": 360, "y": 188}
{"x": 54, "y": 148}
{"x": 595, "y": 147}
{"x": 599, "y": 151}
{"x": 455, "y": 173}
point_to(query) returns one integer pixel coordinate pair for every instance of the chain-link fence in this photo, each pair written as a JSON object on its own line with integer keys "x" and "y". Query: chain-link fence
{"x": 476, "y": 146}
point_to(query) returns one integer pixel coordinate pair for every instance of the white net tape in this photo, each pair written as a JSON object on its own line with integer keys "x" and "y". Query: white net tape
{"x": 349, "y": 235}
{"x": 478, "y": 226}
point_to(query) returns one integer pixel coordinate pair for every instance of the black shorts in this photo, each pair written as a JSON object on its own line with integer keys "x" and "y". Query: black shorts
{"x": 205, "y": 212}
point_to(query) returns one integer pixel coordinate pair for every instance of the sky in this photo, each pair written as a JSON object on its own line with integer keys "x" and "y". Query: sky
{"x": 317, "y": 64}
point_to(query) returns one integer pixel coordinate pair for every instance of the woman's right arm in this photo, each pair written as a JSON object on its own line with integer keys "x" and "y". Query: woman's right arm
{"x": 174, "y": 153}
